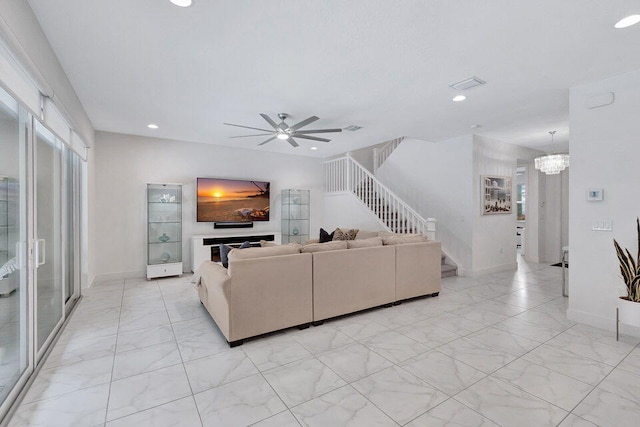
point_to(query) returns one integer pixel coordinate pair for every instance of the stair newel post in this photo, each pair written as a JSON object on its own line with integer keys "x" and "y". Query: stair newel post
{"x": 348, "y": 172}
{"x": 376, "y": 159}
{"x": 431, "y": 228}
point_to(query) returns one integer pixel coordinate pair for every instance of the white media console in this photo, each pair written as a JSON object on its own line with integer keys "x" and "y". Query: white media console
{"x": 202, "y": 247}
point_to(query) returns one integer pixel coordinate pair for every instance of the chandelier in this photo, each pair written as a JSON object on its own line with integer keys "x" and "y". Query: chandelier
{"x": 552, "y": 164}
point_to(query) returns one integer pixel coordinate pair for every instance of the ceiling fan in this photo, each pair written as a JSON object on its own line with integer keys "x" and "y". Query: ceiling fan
{"x": 285, "y": 132}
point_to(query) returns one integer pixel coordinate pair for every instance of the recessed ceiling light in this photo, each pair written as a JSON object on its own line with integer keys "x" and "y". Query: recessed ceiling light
{"x": 459, "y": 98}
{"x": 628, "y": 21}
{"x": 182, "y": 3}
{"x": 314, "y": 148}
{"x": 283, "y": 136}
{"x": 476, "y": 126}
{"x": 152, "y": 126}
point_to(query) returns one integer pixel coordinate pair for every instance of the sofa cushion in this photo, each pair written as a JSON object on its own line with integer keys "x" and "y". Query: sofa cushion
{"x": 323, "y": 247}
{"x": 364, "y": 243}
{"x": 250, "y": 253}
{"x": 266, "y": 244}
{"x": 224, "y": 252}
{"x": 399, "y": 239}
{"x": 365, "y": 234}
{"x": 345, "y": 234}
{"x": 324, "y": 236}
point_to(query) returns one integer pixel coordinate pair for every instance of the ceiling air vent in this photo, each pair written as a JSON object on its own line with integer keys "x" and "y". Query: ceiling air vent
{"x": 468, "y": 83}
{"x": 353, "y": 128}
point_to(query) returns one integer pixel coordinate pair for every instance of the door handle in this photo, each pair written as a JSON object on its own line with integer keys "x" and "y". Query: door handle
{"x": 40, "y": 252}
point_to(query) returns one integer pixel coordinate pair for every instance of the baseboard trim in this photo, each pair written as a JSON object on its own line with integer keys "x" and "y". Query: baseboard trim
{"x": 487, "y": 270}
{"x": 108, "y": 277}
{"x": 606, "y": 323}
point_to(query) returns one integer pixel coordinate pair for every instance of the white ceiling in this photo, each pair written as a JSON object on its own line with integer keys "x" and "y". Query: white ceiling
{"x": 384, "y": 65}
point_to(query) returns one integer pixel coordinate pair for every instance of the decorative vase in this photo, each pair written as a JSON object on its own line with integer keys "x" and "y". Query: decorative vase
{"x": 295, "y": 231}
{"x": 629, "y": 312}
{"x": 164, "y": 238}
{"x": 165, "y": 257}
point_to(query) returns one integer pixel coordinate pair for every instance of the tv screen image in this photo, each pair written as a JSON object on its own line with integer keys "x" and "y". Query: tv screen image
{"x": 228, "y": 200}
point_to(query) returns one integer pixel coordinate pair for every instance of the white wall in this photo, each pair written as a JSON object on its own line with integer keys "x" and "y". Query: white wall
{"x": 435, "y": 179}
{"x": 604, "y": 154}
{"x": 22, "y": 34}
{"x": 494, "y": 236}
{"x": 346, "y": 211}
{"x": 124, "y": 164}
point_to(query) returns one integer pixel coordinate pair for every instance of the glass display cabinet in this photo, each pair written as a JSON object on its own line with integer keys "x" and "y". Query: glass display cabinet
{"x": 295, "y": 216}
{"x": 164, "y": 230}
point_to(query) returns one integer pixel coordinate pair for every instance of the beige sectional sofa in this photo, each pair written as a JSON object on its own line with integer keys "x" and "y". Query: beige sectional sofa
{"x": 273, "y": 288}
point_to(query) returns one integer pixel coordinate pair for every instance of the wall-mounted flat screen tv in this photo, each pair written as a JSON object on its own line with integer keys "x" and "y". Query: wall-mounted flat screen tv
{"x": 232, "y": 200}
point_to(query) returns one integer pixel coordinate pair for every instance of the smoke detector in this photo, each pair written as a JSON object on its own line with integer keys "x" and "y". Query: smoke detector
{"x": 353, "y": 128}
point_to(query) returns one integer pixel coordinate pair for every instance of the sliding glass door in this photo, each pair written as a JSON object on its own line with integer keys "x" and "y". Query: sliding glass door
{"x": 40, "y": 262}
{"x": 47, "y": 251}
{"x": 15, "y": 338}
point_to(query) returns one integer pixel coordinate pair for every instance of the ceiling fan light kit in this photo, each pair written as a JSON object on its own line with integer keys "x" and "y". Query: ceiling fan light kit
{"x": 285, "y": 132}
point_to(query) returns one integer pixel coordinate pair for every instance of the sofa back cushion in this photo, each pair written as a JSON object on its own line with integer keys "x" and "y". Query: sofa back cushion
{"x": 323, "y": 247}
{"x": 398, "y": 239}
{"x": 225, "y": 249}
{"x": 250, "y": 253}
{"x": 364, "y": 243}
{"x": 365, "y": 234}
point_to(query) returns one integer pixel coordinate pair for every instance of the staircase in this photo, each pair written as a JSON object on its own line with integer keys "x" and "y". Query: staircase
{"x": 447, "y": 270}
{"x": 345, "y": 174}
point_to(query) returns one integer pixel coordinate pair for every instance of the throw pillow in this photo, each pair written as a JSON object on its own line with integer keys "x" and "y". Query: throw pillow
{"x": 344, "y": 234}
{"x": 266, "y": 244}
{"x": 224, "y": 252}
{"x": 325, "y": 237}
{"x": 364, "y": 243}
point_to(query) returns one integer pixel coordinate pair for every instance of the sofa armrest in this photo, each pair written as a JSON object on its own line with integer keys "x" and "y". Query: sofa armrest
{"x": 213, "y": 289}
{"x": 418, "y": 269}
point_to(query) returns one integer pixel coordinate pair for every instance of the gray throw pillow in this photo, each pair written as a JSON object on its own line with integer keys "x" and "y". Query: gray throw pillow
{"x": 224, "y": 252}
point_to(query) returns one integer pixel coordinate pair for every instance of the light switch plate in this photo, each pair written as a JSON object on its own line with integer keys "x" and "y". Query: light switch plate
{"x": 602, "y": 225}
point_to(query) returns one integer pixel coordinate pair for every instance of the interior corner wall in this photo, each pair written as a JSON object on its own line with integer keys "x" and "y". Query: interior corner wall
{"x": 23, "y": 35}
{"x": 124, "y": 164}
{"x": 435, "y": 179}
{"x": 604, "y": 154}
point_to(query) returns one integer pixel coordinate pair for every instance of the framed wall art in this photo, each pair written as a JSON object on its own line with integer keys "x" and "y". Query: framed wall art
{"x": 497, "y": 195}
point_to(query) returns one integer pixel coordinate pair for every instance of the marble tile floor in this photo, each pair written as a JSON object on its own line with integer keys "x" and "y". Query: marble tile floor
{"x": 491, "y": 351}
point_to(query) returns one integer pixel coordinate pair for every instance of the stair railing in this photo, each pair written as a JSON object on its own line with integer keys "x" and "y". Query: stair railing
{"x": 381, "y": 154}
{"x": 345, "y": 174}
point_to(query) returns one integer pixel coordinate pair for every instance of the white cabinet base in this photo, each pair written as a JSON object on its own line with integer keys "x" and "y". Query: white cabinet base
{"x": 164, "y": 270}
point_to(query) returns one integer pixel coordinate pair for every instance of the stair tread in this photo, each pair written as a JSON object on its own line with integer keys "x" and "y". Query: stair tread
{"x": 448, "y": 267}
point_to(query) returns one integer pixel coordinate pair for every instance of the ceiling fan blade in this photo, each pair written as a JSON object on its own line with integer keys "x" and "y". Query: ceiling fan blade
{"x": 247, "y": 136}
{"x": 320, "y": 131}
{"x": 270, "y": 139}
{"x": 271, "y": 122}
{"x": 304, "y": 123}
{"x": 247, "y": 127}
{"x": 292, "y": 142}
{"x": 313, "y": 138}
